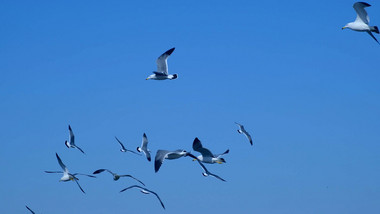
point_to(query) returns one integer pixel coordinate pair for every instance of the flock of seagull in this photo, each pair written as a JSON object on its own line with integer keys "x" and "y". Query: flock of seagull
{"x": 206, "y": 156}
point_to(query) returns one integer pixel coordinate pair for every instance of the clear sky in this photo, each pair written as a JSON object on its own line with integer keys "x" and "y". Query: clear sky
{"x": 307, "y": 92}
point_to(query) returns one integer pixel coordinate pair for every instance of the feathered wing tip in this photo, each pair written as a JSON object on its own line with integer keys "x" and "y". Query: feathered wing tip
{"x": 375, "y": 29}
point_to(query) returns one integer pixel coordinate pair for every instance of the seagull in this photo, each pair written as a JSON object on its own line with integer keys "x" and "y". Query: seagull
{"x": 145, "y": 191}
{"x": 241, "y": 130}
{"x": 30, "y": 209}
{"x": 362, "y": 21}
{"x": 206, "y": 172}
{"x": 67, "y": 176}
{"x": 116, "y": 176}
{"x": 123, "y": 149}
{"x": 161, "y": 155}
{"x": 144, "y": 147}
{"x": 162, "y": 68}
{"x": 70, "y": 143}
{"x": 207, "y": 156}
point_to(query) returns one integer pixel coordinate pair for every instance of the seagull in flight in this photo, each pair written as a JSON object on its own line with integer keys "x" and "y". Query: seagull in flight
{"x": 116, "y": 176}
{"x": 71, "y": 143}
{"x": 30, "y": 209}
{"x": 362, "y": 21}
{"x": 241, "y": 130}
{"x": 123, "y": 149}
{"x": 67, "y": 176}
{"x": 206, "y": 172}
{"x": 162, "y": 68}
{"x": 144, "y": 147}
{"x": 145, "y": 191}
{"x": 161, "y": 155}
{"x": 207, "y": 156}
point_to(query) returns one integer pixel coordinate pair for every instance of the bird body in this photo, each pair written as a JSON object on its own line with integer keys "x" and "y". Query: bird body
{"x": 206, "y": 155}
{"x": 361, "y": 24}
{"x": 162, "y": 68}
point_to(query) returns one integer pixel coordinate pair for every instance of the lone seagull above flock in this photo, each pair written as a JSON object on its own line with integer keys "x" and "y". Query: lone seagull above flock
{"x": 71, "y": 142}
{"x": 145, "y": 191}
{"x": 67, "y": 176}
{"x": 362, "y": 21}
{"x": 162, "y": 68}
{"x": 207, "y": 156}
{"x": 123, "y": 149}
{"x": 144, "y": 147}
{"x": 161, "y": 155}
{"x": 241, "y": 130}
{"x": 116, "y": 176}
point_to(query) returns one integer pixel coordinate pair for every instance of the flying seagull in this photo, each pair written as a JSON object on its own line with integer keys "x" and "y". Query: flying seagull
{"x": 207, "y": 156}
{"x": 71, "y": 143}
{"x": 144, "y": 147}
{"x": 162, "y": 68}
{"x": 241, "y": 130}
{"x": 362, "y": 21}
{"x": 116, "y": 176}
{"x": 123, "y": 149}
{"x": 145, "y": 191}
{"x": 161, "y": 155}
{"x": 30, "y": 209}
{"x": 206, "y": 172}
{"x": 67, "y": 176}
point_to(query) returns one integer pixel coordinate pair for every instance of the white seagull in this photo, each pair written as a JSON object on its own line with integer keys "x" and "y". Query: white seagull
{"x": 116, "y": 176}
{"x": 123, "y": 149}
{"x": 241, "y": 130}
{"x": 207, "y": 156}
{"x": 145, "y": 191}
{"x": 206, "y": 172}
{"x": 144, "y": 147}
{"x": 30, "y": 209}
{"x": 161, "y": 155}
{"x": 67, "y": 176}
{"x": 71, "y": 142}
{"x": 362, "y": 21}
{"x": 162, "y": 68}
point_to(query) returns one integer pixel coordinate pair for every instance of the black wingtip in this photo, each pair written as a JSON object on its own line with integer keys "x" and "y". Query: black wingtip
{"x": 69, "y": 127}
{"x": 365, "y": 3}
{"x": 170, "y": 51}
{"x": 149, "y": 159}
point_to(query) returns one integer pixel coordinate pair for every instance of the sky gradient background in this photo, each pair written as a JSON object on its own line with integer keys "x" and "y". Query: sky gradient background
{"x": 307, "y": 92}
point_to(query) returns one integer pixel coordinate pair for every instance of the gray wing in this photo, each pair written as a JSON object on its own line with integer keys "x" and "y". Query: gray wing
{"x": 71, "y": 136}
{"x": 132, "y": 178}
{"x": 132, "y": 152}
{"x": 226, "y": 152}
{"x": 79, "y": 149}
{"x": 61, "y": 163}
{"x": 102, "y": 170}
{"x": 75, "y": 179}
{"x": 91, "y": 176}
{"x": 53, "y": 172}
{"x": 29, "y": 209}
{"x": 370, "y": 33}
{"x": 142, "y": 188}
{"x": 122, "y": 146}
{"x": 361, "y": 12}
{"x": 197, "y": 146}
{"x": 160, "y": 157}
{"x": 162, "y": 62}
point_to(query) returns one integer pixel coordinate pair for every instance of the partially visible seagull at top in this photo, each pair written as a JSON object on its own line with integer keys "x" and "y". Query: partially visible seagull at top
{"x": 71, "y": 142}
{"x": 241, "y": 130}
{"x": 30, "y": 209}
{"x": 123, "y": 149}
{"x": 144, "y": 147}
{"x": 207, "y": 156}
{"x": 206, "y": 172}
{"x": 116, "y": 176}
{"x": 67, "y": 176}
{"x": 362, "y": 21}
{"x": 161, "y": 155}
{"x": 162, "y": 68}
{"x": 145, "y": 191}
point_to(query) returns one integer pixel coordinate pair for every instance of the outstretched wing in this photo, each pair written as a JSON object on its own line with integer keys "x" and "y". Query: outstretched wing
{"x": 197, "y": 146}
{"x": 75, "y": 179}
{"x": 122, "y": 146}
{"x": 61, "y": 163}
{"x": 80, "y": 149}
{"x": 71, "y": 136}
{"x": 133, "y": 178}
{"x": 160, "y": 157}
{"x": 29, "y": 209}
{"x": 145, "y": 189}
{"x": 371, "y": 34}
{"x": 91, "y": 176}
{"x": 162, "y": 62}
{"x": 361, "y": 12}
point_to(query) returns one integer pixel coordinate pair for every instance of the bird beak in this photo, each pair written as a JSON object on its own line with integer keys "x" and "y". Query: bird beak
{"x": 344, "y": 28}
{"x": 147, "y": 78}
{"x": 194, "y": 159}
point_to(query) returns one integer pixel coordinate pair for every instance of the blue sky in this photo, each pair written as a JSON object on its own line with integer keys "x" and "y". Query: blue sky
{"x": 306, "y": 90}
